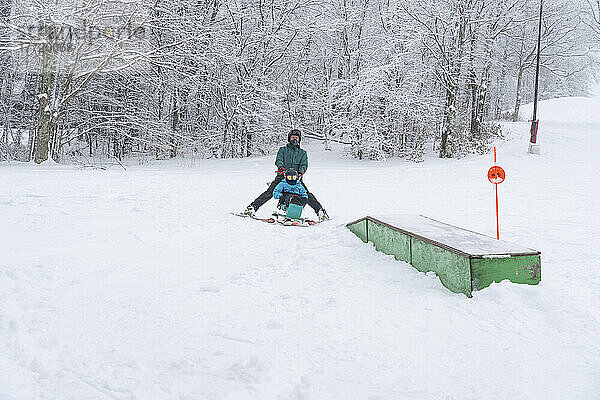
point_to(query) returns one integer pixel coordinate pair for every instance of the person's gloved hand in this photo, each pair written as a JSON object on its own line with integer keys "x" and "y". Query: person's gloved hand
{"x": 280, "y": 171}
{"x": 300, "y": 175}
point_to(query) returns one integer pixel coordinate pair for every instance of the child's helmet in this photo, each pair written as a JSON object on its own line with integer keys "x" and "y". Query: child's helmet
{"x": 291, "y": 176}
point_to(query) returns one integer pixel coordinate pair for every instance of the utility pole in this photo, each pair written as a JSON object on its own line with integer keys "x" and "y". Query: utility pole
{"x": 534, "y": 147}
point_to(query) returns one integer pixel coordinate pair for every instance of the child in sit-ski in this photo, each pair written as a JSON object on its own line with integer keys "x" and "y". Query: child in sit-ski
{"x": 290, "y": 191}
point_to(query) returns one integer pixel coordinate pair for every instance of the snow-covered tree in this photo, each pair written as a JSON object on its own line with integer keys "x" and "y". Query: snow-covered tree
{"x": 228, "y": 78}
{"x": 70, "y": 43}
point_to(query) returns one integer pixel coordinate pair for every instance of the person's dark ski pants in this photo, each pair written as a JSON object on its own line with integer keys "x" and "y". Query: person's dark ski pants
{"x": 268, "y": 194}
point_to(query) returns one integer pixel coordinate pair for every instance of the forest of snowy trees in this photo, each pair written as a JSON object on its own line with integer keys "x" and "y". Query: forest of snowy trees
{"x": 229, "y": 78}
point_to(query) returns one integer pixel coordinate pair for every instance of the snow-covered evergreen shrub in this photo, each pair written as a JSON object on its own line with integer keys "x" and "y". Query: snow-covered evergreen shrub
{"x": 463, "y": 142}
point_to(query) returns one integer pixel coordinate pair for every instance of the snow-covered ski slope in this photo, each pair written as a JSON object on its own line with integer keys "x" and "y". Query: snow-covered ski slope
{"x": 139, "y": 284}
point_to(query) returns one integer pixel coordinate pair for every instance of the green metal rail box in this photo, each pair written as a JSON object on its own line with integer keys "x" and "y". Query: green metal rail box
{"x": 465, "y": 261}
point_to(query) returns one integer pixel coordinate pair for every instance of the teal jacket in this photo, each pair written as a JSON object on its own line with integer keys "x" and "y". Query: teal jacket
{"x": 292, "y": 157}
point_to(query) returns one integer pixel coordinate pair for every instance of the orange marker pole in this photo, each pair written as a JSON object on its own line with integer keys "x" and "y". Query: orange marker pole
{"x": 496, "y": 175}
{"x": 497, "y": 217}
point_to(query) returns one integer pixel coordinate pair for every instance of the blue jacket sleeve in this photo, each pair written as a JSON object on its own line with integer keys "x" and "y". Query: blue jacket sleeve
{"x": 303, "y": 192}
{"x": 277, "y": 191}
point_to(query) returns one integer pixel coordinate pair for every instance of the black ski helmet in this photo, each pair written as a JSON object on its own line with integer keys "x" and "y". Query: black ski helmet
{"x": 295, "y": 132}
{"x": 291, "y": 176}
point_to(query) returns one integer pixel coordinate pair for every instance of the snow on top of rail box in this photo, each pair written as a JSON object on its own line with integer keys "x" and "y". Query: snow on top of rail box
{"x": 460, "y": 239}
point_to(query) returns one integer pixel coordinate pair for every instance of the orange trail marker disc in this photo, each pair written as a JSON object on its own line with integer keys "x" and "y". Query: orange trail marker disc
{"x": 496, "y": 175}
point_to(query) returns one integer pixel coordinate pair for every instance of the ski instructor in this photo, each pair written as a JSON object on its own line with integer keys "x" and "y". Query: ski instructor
{"x": 290, "y": 156}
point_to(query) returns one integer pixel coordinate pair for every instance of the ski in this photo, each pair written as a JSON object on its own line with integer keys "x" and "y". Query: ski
{"x": 281, "y": 219}
{"x": 267, "y": 220}
{"x": 284, "y": 220}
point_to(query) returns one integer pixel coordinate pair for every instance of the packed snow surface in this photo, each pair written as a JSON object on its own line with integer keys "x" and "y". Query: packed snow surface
{"x": 139, "y": 284}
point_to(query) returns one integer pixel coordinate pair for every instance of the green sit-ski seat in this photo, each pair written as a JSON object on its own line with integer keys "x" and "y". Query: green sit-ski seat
{"x": 294, "y": 211}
